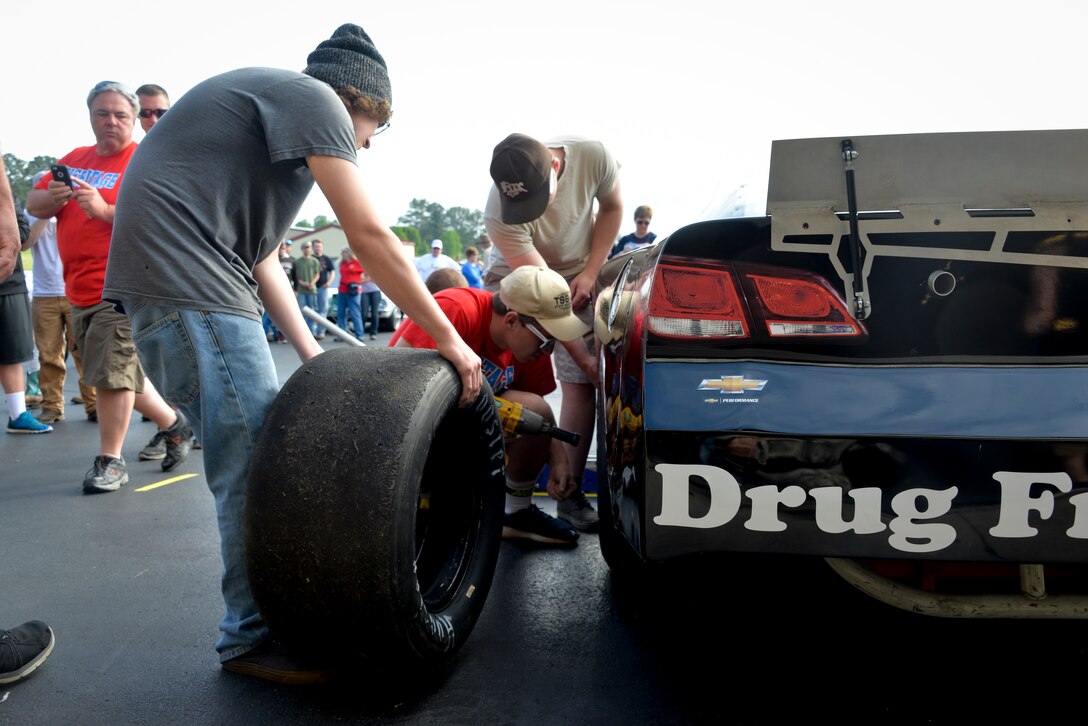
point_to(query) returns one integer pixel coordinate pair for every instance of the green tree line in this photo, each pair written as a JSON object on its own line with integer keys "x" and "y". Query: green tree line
{"x": 457, "y": 227}
{"x": 425, "y": 221}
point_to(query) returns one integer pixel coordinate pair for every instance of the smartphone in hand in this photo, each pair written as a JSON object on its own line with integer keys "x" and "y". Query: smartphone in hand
{"x": 61, "y": 174}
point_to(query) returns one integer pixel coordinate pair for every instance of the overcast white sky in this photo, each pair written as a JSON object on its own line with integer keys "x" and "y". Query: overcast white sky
{"x": 688, "y": 94}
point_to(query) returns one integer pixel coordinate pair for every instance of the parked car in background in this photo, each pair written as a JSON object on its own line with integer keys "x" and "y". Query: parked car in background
{"x": 389, "y": 315}
{"x": 888, "y": 370}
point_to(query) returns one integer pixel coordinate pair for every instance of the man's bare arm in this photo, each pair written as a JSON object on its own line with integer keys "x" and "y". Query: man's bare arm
{"x": 605, "y": 230}
{"x": 275, "y": 292}
{"x": 36, "y": 230}
{"x": 380, "y": 253}
{"x": 45, "y": 203}
{"x": 9, "y": 226}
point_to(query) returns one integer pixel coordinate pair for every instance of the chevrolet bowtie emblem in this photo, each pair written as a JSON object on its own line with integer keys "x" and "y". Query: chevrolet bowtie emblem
{"x": 731, "y": 384}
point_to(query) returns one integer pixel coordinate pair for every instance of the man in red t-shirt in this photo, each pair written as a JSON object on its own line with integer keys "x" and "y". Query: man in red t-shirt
{"x": 514, "y": 332}
{"x": 103, "y": 334}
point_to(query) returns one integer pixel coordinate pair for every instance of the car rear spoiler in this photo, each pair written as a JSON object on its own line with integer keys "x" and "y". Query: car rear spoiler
{"x": 1017, "y": 197}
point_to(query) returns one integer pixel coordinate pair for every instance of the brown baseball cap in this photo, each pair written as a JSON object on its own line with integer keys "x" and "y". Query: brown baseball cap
{"x": 521, "y": 167}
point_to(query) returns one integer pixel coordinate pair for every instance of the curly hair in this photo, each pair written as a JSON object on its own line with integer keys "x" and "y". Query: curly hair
{"x": 355, "y": 100}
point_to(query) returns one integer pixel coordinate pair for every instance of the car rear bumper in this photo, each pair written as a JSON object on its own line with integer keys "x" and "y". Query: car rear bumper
{"x": 754, "y": 469}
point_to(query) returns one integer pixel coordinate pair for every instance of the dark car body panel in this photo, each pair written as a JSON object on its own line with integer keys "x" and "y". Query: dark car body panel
{"x": 918, "y": 509}
{"x": 964, "y": 401}
{"x": 955, "y": 429}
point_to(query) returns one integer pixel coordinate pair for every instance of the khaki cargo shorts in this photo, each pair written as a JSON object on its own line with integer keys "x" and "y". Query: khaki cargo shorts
{"x": 566, "y": 370}
{"x": 104, "y": 337}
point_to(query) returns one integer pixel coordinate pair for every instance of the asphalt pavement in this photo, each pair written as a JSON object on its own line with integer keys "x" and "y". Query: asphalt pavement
{"x": 129, "y": 583}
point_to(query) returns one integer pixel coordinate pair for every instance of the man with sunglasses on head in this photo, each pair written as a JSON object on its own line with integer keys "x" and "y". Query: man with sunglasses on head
{"x": 154, "y": 102}
{"x": 194, "y": 265}
{"x": 514, "y": 331}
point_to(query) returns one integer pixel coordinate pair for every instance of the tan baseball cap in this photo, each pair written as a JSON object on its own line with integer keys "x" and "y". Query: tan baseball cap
{"x": 542, "y": 294}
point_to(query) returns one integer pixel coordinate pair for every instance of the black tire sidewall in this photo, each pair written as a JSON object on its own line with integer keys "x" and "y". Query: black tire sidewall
{"x": 333, "y": 500}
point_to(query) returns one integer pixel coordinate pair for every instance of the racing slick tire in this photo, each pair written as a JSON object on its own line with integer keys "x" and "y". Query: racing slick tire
{"x": 374, "y": 509}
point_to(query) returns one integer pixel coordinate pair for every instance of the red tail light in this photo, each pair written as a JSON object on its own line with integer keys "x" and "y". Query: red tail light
{"x": 696, "y": 302}
{"x": 793, "y": 305}
{"x": 794, "y": 298}
{"x": 708, "y": 302}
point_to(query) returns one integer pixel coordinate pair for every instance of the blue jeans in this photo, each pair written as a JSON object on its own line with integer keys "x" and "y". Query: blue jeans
{"x": 349, "y": 305}
{"x": 370, "y": 302}
{"x": 322, "y": 301}
{"x": 216, "y": 364}
{"x": 309, "y": 299}
{"x": 269, "y": 327}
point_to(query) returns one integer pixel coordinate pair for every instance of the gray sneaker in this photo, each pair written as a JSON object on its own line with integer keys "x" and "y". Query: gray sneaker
{"x": 178, "y": 440}
{"x": 106, "y": 475}
{"x": 155, "y": 449}
{"x": 577, "y": 511}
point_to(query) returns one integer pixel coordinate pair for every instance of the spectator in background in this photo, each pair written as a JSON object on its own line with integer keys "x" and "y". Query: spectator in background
{"x": 32, "y": 366}
{"x": 307, "y": 273}
{"x": 154, "y": 102}
{"x": 540, "y": 211}
{"x": 287, "y": 263}
{"x": 444, "y": 279}
{"x": 426, "y": 264}
{"x": 84, "y": 226}
{"x": 483, "y": 244}
{"x": 349, "y": 292}
{"x": 324, "y": 281}
{"x": 471, "y": 268}
{"x": 16, "y": 338}
{"x": 11, "y": 229}
{"x": 370, "y": 302}
{"x": 52, "y": 314}
{"x": 641, "y": 237}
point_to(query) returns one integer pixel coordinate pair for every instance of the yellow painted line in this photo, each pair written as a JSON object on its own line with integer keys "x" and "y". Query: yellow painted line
{"x": 164, "y": 482}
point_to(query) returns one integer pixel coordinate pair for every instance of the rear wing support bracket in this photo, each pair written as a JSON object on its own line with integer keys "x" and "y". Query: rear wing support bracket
{"x": 861, "y": 302}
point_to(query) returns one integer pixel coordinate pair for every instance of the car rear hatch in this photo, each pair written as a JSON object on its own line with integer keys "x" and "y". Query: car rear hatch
{"x": 901, "y": 372}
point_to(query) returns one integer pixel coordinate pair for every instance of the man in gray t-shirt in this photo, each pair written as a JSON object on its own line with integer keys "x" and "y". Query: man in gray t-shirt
{"x": 207, "y": 198}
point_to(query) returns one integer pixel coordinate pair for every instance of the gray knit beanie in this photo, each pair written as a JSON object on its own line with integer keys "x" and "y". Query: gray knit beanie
{"x": 349, "y": 58}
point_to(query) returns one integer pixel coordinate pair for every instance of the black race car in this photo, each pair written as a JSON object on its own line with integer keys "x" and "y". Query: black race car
{"x": 889, "y": 370}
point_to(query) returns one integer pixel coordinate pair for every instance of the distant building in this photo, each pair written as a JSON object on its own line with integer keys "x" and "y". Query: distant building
{"x": 333, "y": 237}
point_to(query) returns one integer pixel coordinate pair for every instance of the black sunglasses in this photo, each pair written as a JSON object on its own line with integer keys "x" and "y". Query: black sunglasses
{"x": 149, "y": 112}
